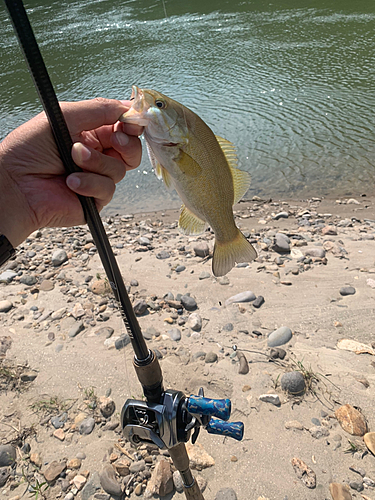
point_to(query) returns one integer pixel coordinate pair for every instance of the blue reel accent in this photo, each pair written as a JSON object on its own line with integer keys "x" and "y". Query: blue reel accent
{"x": 199, "y": 405}
{"x": 234, "y": 430}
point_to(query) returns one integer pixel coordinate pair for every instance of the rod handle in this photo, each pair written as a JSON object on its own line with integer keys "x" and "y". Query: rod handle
{"x": 234, "y": 430}
{"x": 199, "y": 405}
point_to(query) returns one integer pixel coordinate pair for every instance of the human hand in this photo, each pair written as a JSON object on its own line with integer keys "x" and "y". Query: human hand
{"x": 35, "y": 191}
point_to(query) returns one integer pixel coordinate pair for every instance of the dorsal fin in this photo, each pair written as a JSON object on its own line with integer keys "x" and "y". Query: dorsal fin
{"x": 241, "y": 179}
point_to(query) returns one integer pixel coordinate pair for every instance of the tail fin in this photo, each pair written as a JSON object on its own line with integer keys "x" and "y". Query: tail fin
{"x": 228, "y": 254}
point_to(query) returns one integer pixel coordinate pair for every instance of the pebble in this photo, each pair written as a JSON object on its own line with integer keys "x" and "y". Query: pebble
{"x": 59, "y": 421}
{"x": 189, "y": 303}
{"x": 226, "y": 494}
{"x": 317, "y": 252}
{"x": 8, "y": 455}
{"x": 76, "y": 329}
{"x": 54, "y": 470}
{"x": 351, "y": 420}
{"x": 293, "y": 382}
{"x": 7, "y": 276}
{"x": 347, "y": 290}
{"x": 277, "y": 353}
{"x": 318, "y": 432}
{"x": 91, "y": 487}
{"x": 195, "y": 322}
{"x": 244, "y": 364}
{"x": 108, "y": 481}
{"x": 180, "y": 268}
{"x": 281, "y": 215}
{"x": 5, "y": 306}
{"x": 241, "y": 297}
{"x": 223, "y": 280}
{"x": 304, "y": 473}
{"x": 140, "y": 307}
{"x": 358, "y": 470}
{"x": 136, "y": 467}
{"x": 211, "y": 357}
{"x": 270, "y": 398}
{"x": 177, "y": 481}
{"x": 356, "y": 485}
{"x": 122, "y": 341}
{"x": 175, "y": 334}
{"x": 106, "y": 331}
{"x": 28, "y": 280}
{"x": 228, "y": 327}
{"x": 163, "y": 255}
{"x": 201, "y": 249}
{"x": 107, "y": 406}
{"x": 281, "y": 243}
{"x": 204, "y": 275}
{"x": 259, "y": 301}
{"x": 4, "y": 475}
{"x": 86, "y": 426}
{"x": 279, "y": 337}
{"x": 59, "y": 257}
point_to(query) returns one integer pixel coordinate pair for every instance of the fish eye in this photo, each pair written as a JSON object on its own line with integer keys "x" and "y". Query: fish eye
{"x": 160, "y": 104}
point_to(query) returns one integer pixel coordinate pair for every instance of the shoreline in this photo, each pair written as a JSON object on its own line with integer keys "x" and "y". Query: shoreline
{"x": 65, "y": 328}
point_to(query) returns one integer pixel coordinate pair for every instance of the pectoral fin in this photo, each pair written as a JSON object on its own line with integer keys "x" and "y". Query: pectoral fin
{"x": 188, "y": 165}
{"x": 241, "y": 179}
{"x": 189, "y": 223}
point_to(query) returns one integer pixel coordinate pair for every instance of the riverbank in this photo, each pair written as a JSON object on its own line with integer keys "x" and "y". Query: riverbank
{"x": 65, "y": 347}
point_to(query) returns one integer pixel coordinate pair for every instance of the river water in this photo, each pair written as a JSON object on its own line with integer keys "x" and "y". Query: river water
{"x": 290, "y": 83}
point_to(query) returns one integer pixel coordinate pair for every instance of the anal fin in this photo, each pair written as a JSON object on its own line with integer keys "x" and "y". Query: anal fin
{"x": 189, "y": 223}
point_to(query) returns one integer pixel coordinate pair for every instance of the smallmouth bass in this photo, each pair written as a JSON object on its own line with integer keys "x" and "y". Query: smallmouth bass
{"x": 200, "y": 166}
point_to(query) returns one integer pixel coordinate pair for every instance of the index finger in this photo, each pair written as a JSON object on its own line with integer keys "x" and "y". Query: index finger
{"x": 92, "y": 114}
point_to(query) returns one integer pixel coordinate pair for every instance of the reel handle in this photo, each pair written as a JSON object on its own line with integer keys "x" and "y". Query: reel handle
{"x": 199, "y": 405}
{"x": 234, "y": 430}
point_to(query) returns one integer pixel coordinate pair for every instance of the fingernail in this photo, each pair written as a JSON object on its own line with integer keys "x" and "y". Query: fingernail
{"x": 73, "y": 182}
{"x": 82, "y": 152}
{"x": 122, "y": 138}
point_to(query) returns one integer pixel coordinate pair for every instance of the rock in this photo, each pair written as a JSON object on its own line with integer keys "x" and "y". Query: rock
{"x": 195, "y": 322}
{"x": 4, "y": 475}
{"x": 270, "y": 398}
{"x": 356, "y": 485}
{"x": 76, "y": 329}
{"x": 86, "y": 426}
{"x": 175, "y": 334}
{"x": 347, "y": 290}
{"x": 294, "y": 424}
{"x": 8, "y": 455}
{"x": 354, "y": 346}
{"x": 46, "y": 286}
{"x": 317, "y": 252}
{"x": 259, "y": 301}
{"x": 188, "y": 302}
{"x": 100, "y": 287}
{"x": 277, "y": 353}
{"x": 59, "y": 257}
{"x": 163, "y": 255}
{"x": 329, "y": 231}
{"x": 293, "y": 382}
{"x": 244, "y": 364}
{"x": 351, "y": 420}
{"x": 59, "y": 420}
{"x": 211, "y": 357}
{"x": 199, "y": 458}
{"x": 201, "y": 249}
{"x": 28, "y": 280}
{"x": 161, "y": 482}
{"x": 122, "y": 342}
{"x": 138, "y": 490}
{"x": 106, "y": 406}
{"x": 140, "y": 307}
{"x": 79, "y": 481}
{"x": 369, "y": 482}
{"x": 223, "y": 280}
{"x": 36, "y": 459}
{"x": 241, "y": 297}
{"x": 5, "y": 306}
{"x": 226, "y": 494}
{"x": 180, "y": 268}
{"x": 74, "y": 463}
{"x": 204, "y": 275}
{"x": 177, "y": 481}
{"x": 54, "y": 470}
{"x": 108, "y": 481}
{"x": 136, "y": 467}
{"x": 281, "y": 243}
{"x": 281, "y": 215}
{"x": 304, "y": 472}
{"x": 369, "y": 440}
{"x": 339, "y": 492}
{"x": 91, "y": 487}
{"x": 122, "y": 466}
{"x": 279, "y": 337}
{"x": 78, "y": 311}
{"x": 7, "y": 276}
{"x": 106, "y": 331}
{"x": 318, "y": 432}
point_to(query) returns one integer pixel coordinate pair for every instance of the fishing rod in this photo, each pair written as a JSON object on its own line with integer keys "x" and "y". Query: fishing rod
{"x": 167, "y": 418}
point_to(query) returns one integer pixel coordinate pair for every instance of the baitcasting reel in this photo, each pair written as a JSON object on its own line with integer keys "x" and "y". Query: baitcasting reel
{"x": 171, "y": 421}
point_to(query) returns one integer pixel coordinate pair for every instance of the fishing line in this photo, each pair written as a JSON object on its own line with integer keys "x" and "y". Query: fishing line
{"x": 64, "y": 144}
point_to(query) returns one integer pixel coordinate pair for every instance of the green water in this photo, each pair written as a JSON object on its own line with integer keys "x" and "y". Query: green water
{"x": 290, "y": 83}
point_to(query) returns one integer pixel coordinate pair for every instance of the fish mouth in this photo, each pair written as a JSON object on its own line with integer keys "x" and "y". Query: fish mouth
{"x": 135, "y": 114}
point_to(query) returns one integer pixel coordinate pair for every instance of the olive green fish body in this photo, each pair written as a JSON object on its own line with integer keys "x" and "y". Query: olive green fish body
{"x": 187, "y": 155}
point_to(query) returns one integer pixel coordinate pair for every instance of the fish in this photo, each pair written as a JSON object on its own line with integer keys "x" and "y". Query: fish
{"x": 185, "y": 153}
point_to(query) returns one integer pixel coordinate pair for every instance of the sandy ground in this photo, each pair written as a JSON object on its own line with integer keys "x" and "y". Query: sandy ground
{"x": 307, "y": 301}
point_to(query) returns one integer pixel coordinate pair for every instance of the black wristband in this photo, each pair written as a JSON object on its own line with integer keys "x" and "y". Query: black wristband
{"x": 6, "y": 249}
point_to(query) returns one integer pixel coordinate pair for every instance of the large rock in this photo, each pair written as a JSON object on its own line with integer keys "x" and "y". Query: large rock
{"x": 199, "y": 458}
{"x": 351, "y": 420}
{"x": 339, "y": 492}
{"x": 109, "y": 482}
{"x": 59, "y": 257}
{"x": 8, "y": 455}
{"x": 161, "y": 482}
{"x": 293, "y": 382}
